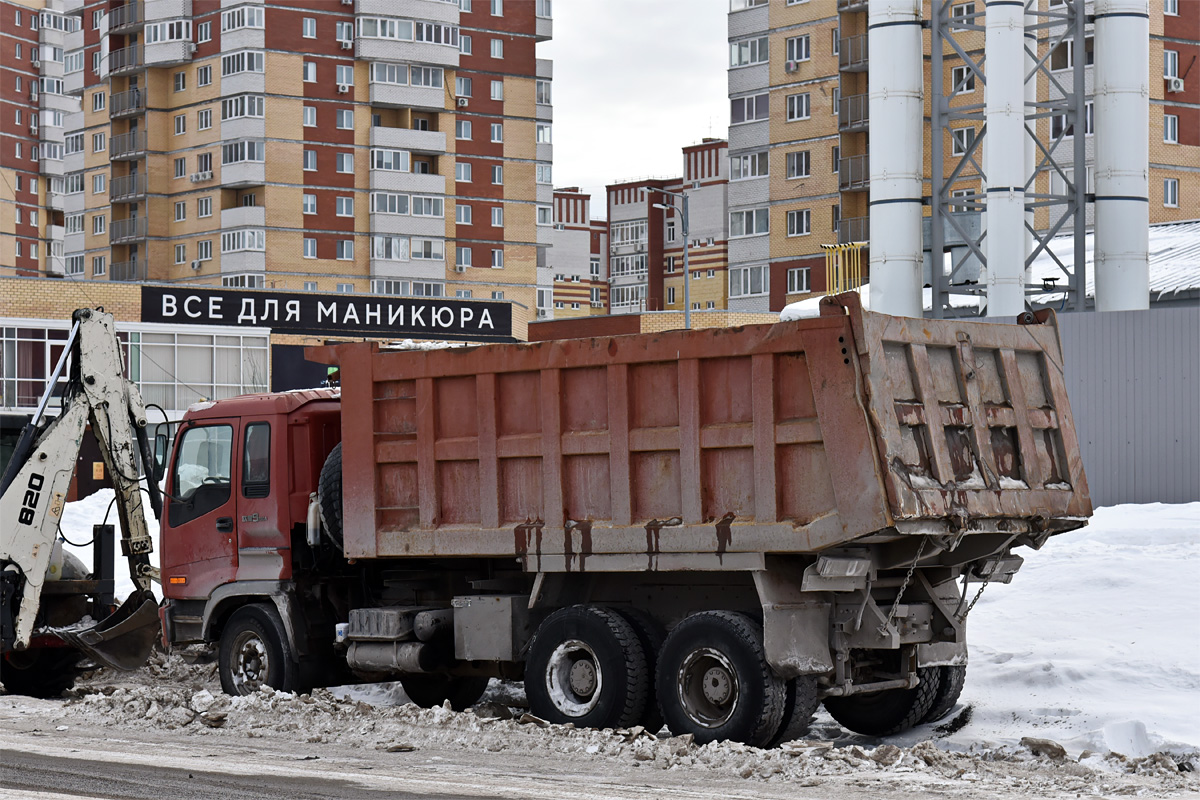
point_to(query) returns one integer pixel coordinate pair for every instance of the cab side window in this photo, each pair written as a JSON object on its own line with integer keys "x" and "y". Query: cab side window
{"x": 201, "y": 480}
{"x": 256, "y": 460}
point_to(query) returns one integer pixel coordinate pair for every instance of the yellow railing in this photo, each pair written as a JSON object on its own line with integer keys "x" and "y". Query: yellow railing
{"x": 843, "y": 266}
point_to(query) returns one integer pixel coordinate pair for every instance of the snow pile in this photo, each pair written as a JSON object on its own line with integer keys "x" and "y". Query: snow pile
{"x": 76, "y": 529}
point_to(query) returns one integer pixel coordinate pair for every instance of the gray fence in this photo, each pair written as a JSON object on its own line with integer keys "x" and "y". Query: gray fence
{"x": 1132, "y": 381}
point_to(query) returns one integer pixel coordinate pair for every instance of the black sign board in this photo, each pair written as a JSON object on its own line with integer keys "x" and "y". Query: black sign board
{"x": 379, "y": 316}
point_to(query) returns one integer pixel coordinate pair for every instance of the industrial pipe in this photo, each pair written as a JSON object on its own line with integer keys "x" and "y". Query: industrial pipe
{"x": 897, "y": 111}
{"x": 1122, "y": 109}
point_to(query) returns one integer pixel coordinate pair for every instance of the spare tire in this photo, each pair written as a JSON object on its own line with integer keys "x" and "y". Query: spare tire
{"x": 329, "y": 494}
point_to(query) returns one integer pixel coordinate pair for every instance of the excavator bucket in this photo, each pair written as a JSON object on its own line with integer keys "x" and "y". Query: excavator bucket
{"x": 123, "y": 640}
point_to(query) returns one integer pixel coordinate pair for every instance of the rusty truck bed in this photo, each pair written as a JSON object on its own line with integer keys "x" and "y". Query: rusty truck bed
{"x": 707, "y": 449}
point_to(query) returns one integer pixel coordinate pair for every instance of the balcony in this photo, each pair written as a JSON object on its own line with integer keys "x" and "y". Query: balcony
{"x": 243, "y": 217}
{"x": 166, "y": 54}
{"x": 853, "y": 113}
{"x": 543, "y": 29}
{"x": 127, "y": 188}
{"x": 854, "y": 229}
{"x": 126, "y": 60}
{"x": 438, "y": 55}
{"x": 127, "y": 146}
{"x": 416, "y": 183}
{"x": 124, "y": 231}
{"x": 853, "y": 54}
{"x": 421, "y": 98}
{"x": 126, "y": 19}
{"x": 434, "y": 10}
{"x": 243, "y": 173}
{"x": 854, "y": 173}
{"x": 135, "y": 270}
{"x": 127, "y": 104}
{"x": 55, "y": 201}
{"x": 408, "y": 139}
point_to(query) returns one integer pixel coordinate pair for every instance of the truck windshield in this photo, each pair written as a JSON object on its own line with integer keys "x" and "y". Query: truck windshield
{"x": 205, "y": 456}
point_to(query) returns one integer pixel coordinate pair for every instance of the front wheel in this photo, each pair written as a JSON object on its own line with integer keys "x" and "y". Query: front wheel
{"x": 255, "y": 652}
{"x": 714, "y": 682}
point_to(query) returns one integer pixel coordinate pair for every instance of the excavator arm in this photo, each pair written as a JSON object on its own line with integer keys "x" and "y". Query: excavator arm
{"x": 36, "y": 482}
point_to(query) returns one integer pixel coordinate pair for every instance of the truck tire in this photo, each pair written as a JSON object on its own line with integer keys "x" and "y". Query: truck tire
{"x": 950, "y": 685}
{"x": 586, "y": 666}
{"x": 428, "y": 691}
{"x": 798, "y": 708}
{"x": 887, "y": 713}
{"x": 714, "y": 682}
{"x": 329, "y": 493}
{"x": 255, "y": 652}
{"x": 651, "y": 636}
{"x": 44, "y": 672}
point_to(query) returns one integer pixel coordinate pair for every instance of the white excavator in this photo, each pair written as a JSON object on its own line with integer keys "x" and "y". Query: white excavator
{"x": 56, "y": 616}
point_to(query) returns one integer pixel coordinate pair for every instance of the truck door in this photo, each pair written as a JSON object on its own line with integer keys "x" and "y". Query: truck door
{"x": 199, "y": 550}
{"x": 263, "y": 533}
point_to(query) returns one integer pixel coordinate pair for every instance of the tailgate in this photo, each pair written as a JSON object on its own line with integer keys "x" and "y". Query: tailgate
{"x": 972, "y": 421}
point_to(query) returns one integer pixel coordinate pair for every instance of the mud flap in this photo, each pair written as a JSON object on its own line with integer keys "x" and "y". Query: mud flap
{"x": 123, "y": 640}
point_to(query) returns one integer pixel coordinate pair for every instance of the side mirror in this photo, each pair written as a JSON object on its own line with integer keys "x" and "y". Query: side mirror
{"x": 160, "y": 456}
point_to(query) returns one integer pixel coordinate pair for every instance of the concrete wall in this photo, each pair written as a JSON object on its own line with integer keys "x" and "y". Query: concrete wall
{"x": 1134, "y": 390}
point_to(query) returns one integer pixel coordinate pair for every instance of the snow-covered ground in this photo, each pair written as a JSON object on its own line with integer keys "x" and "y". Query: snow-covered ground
{"x": 1095, "y": 644}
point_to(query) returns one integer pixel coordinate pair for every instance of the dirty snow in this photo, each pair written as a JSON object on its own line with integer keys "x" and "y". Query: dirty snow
{"x": 1093, "y": 647}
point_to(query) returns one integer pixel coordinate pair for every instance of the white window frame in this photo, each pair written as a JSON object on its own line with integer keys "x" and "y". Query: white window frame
{"x": 1170, "y": 193}
{"x": 799, "y": 106}
{"x": 1171, "y": 128}
{"x": 799, "y": 280}
{"x": 742, "y": 280}
{"x": 799, "y": 222}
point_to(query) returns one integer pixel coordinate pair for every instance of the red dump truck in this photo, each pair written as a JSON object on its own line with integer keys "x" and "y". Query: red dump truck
{"x": 715, "y": 529}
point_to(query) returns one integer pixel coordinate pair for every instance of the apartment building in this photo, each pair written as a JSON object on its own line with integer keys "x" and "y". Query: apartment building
{"x": 395, "y": 147}
{"x": 575, "y": 282}
{"x": 646, "y": 236}
{"x": 800, "y": 148}
{"x": 30, "y": 59}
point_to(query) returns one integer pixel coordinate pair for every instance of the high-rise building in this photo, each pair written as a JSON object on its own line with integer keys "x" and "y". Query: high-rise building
{"x": 400, "y": 147}
{"x": 27, "y": 65}
{"x": 799, "y": 144}
{"x": 576, "y": 275}
{"x": 646, "y": 236}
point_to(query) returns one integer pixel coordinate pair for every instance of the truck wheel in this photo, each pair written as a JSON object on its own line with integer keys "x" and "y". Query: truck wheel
{"x": 255, "y": 652}
{"x": 886, "y": 713}
{"x": 950, "y": 686}
{"x": 798, "y": 709}
{"x": 428, "y": 691}
{"x": 713, "y": 680}
{"x": 586, "y": 666}
{"x": 329, "y": 493}
{"x": 41, "y": 672}
{"x": 650, "y": 635}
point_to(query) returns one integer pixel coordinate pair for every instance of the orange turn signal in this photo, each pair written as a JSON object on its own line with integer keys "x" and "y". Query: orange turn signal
{"x": 178, "y": 580}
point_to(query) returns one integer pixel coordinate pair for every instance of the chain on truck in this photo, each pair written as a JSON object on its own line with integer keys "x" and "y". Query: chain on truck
{"x": 713, "y": 529}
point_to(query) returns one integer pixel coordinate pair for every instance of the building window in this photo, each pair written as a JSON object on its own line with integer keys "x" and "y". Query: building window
{"x": 1063, "y": 56}
{"x": 748, "y": 51}
{"x": 99, "y": 224}
{"x": 180, "y": 210}
{"x": 345, "y": 119}
{"x": 180, "y": 81}
{"x": 237, "y": 152}
{"x": 204, "y": 119}
{"x": 98, "y": 101}
{"x": 1171, "y": 8}
{"x": 462, "y": 129}
{"x": 545, "y": 215}
{"x": 962, "y": 80}
{"x": 497, "y": 8}
{"x": 463, "y": 294}
{"x": 204, "y": 76}
{"x": 1171, "y": 193}
{"x": 180, "y": 124}
{"x": 960, "y": 193}
{"x": 543, "y": 133}
{"x": 798, "y": 164}
{"x": 462, "y": 214}
{"x": 204, "y": 32}
{"x": 244, "y": 17}
{"x": 309, "y": 203}
{"x": 345, "y": 288}
{"x": 748, "y": 223}
{"x": 497, "y": 48}
{"x": 752, "y": 165}
{"x": 799, "y": 222}
{"x": 465, "y": 45}
{"x": 309, "y": 72}
{"x": 345, "y": 250}
{"x": 497, "y": 259}
{"x": 98, "y": 266}
{"x": 428, "y": 250}
{"x": 497, "y": 132}
{"x": 345, "y": 162}
{"x": 310, "y": 248}
{"x": 497, "y": 174}
{"x": 180, "y": 253}
{"x": 310, "y": 160}
{"x": 462, "y": 87}
{"x": 1170, "y": 63}
{"x": 1171, "y": 128}
{"x": 462, "y": 256}
{"x": 390, "y": 160}
{"x": 798, "y": 106}
{"x": 345, "y": 75}
{"x": 244, "y": 240}
{"x": 462, "y": 172}
{"x": 204, "y": 250}
{"x": 180, "y": 167}
{"x": 963, "y": 139}
{"x": 497, "y": 90}
{"x": 798, "y": 280}
{"x": 243, "y": 61}
{"x": 748, "y": 281}
{"x": 749, "y": 109}
{"x": 310, "y": 286}
{"x": 98, "y": 182}
{"x": 308, "y": 28}
{"x": 497, "y": 217}
{"x": 798, "y": 48}
{"x": 204, "y": 207}
{"x": 427, "y": 206}
{"x": 542, "y": 93}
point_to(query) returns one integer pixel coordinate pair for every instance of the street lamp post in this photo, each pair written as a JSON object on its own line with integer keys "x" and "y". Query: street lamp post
{"x": 687, "y": 273}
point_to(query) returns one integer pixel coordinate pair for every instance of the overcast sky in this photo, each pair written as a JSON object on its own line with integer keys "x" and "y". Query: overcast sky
{"x": 634, "y": 82}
